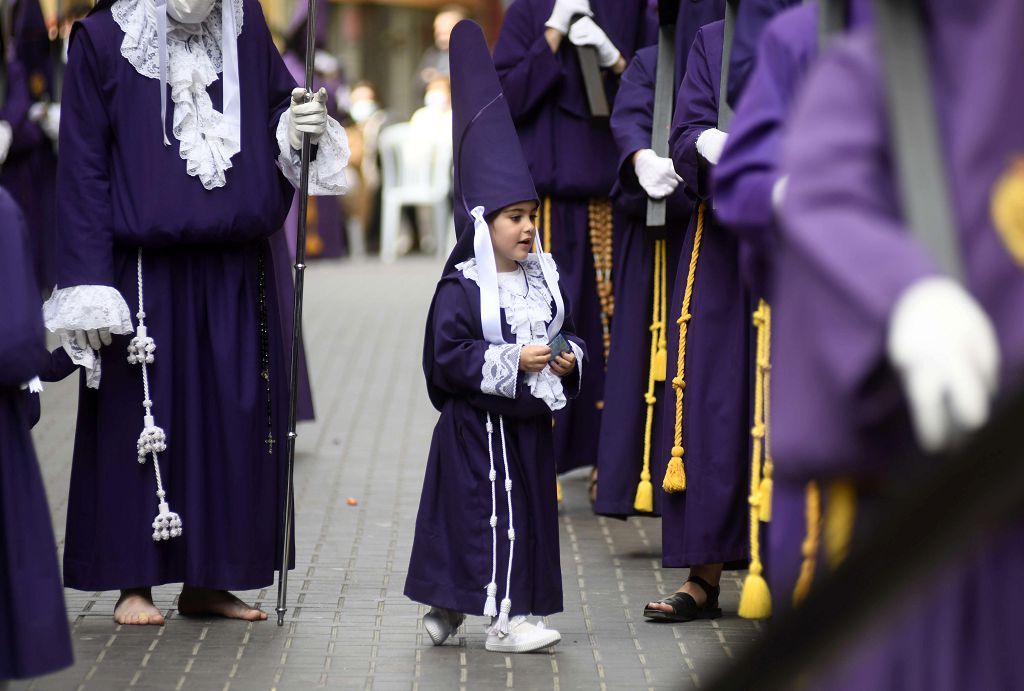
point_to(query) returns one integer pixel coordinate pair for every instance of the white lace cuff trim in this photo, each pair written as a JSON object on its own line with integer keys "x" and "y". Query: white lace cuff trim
{"x": 578, "y": 352}
{"x": 84, "y": 308}
{"x": 501, "y": 370}
{"x": 327, "y": 171}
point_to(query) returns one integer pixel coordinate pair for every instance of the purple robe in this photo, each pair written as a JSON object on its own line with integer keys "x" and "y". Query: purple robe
{"x": 751, "y": 18}
{"x": 451, "y": 564}
{"x": 34, "y": 635}
{"x": 121, "y": 189}
{"x": 30, "y": 172}
{"x": 707, "y": 523}
{"x": 845, "y": 258}
{"x": 572, "y": 160}
{"x": 621, "y": 443}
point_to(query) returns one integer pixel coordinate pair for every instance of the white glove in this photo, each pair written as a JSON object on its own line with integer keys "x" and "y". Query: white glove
{"x": 657, "y": 175}
{"x": 47, "y": 115}
{"x": 563, "y": 13}
{"x": 710, "y": 144}
{"x": 6, "y": 137}
{"x": 944, "y": 348}
{"x": 93, "y": 338}
{"x": 306, "y": 116}
{"x": 779, "y": 192}
{"x": 586, "y": 32}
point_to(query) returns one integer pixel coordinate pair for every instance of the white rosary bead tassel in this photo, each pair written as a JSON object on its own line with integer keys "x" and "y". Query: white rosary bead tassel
{"x": 503, "y": 625}
{"x": 167, "y": 524}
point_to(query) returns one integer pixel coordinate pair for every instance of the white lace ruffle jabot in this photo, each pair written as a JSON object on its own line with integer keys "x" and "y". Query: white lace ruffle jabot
{"x": 207, "y": 141}
{"x": 327, "y": 171}
{"x": 527, "y": 306}
{"x": 86, "y": 307}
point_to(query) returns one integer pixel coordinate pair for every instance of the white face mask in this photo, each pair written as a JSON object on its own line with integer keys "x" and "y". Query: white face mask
{"x": 362, "y": 110}
{"x": 189, "y": 11}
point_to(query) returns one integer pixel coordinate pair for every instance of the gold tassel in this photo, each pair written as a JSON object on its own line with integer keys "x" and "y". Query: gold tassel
{"x": 644, "y": 501}
{"x": 675, "y": 474}
{"x": 677, "y": 483}
{"x": 558, "y": 491}
{"x": 764, "y": 363}
{"x": 840, "y": 515}
{"x": 755, "y": 599}
{"x": 810, "y": 545}
{"x": 661, "y": 295}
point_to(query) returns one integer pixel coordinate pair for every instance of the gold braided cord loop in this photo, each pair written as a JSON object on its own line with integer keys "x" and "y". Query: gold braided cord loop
{"x": 809, "y": 549}
{"x": 599, "y": 213}
{"x": 755, "y": 599}
{"x": 644, "y": 501}
{"x": 675, "y": 474}
{"x": 546, "y": 225}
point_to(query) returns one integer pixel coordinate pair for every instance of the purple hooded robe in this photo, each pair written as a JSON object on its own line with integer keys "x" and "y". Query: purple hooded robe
{"x": 34, "y": 636}
{"x": 844, "y": 259}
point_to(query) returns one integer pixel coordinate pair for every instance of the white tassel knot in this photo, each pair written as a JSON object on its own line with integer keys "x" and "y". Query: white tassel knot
{"x": 490, "y": 606}
{"x": 167, "y": 524}
{"x": 141, "y": 348}
{"x": 503, "y": 622}
{"x": 152, "y": 440}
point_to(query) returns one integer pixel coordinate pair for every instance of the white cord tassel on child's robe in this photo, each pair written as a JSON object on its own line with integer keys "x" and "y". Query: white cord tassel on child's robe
{"x": 490, "y": 606}
{"x": 153, "y": 440}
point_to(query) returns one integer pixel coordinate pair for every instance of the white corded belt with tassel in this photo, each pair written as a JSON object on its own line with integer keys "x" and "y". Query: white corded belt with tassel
{"x": 153, "y": 440}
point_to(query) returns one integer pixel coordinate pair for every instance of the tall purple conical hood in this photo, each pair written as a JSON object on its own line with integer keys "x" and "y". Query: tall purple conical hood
{"x": 490, "y": 168}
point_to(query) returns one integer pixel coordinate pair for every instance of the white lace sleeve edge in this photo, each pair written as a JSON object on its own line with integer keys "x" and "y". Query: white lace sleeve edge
{"x": 327, "y": 170}
{"x": 87, "y": 307}
{"x": 500, "y": 372}
{"x": 578, "y": 352}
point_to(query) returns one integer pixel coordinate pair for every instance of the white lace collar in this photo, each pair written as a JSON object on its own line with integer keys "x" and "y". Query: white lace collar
{"x": 207, "y": 140}
{"x": 528, "y": 316}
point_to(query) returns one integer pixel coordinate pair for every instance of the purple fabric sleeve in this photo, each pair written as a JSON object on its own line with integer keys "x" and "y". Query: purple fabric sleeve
{"x": 85, "y": 217}
{"x": 844, "y": 259}
{"x": 528, "y": 70}
{"x": 633, "y": 114}
{"x": 696, "y": 111}
{"x": 21, "y": 318}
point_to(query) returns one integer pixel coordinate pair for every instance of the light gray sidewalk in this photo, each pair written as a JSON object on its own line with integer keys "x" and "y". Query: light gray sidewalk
{"x": 348, "y": 625}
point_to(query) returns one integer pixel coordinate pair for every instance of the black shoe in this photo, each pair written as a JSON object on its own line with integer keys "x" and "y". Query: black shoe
{"x": 685, "y": 608}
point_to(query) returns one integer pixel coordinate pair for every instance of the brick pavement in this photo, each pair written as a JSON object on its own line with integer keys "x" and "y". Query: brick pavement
{"x": 348, "y": 625}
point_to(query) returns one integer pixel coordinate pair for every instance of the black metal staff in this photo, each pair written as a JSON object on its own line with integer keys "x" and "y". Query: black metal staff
{"x": 300, "y": 273}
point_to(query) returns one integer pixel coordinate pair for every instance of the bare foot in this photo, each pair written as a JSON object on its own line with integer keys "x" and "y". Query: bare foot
{"x": 197, "y": 602}
{"x": 135, "y": 606}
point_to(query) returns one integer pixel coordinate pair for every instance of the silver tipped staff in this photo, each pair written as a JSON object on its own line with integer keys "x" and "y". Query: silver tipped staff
{"x": 300, "y": 274}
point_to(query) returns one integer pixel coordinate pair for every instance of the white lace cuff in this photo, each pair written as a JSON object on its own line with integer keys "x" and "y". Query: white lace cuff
{"x": 85, "y": 308}
{"x": 327, "y": 170}
{"x": 578, "y": 352}
{"x": 501, "y": 370}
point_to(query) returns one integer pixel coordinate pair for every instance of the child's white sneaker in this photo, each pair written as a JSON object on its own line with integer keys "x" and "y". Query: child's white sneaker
{"x": 440, "y": 623}
{"x": 523, "y": 637}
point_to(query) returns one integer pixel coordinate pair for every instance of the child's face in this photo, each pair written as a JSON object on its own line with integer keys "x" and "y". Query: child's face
{"x": 512, "y": 231}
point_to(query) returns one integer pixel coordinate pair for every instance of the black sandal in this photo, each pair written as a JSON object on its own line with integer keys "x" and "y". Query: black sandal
{"x": 685, "y": 608}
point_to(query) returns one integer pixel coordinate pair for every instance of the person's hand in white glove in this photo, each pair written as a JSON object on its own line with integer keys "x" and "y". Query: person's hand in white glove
{"x": 710, "y": 144}
{"x": 944, "y": 348}
{"x": 779, "y": 192}
{"x": 586, "y": 32}
{"x": 6, "y": 137}
{"x": 47, "y": 115}
{"x": 93, "y": 338}
{"x": 657, "y": 175}
{"x": 563, "y": 13}
{"x": 303, "y": 116}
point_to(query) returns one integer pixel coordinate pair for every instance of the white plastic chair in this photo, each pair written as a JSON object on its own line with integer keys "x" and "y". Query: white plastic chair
{"x": 416, "y": 170}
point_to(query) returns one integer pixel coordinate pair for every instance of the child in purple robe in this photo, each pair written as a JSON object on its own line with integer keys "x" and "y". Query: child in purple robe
{"x": 179, "y": 148}
{"x": 34, "y": 636}
{"x": 499, "y": 358}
